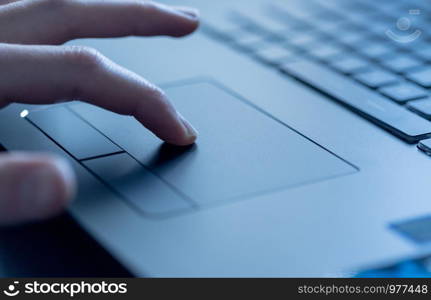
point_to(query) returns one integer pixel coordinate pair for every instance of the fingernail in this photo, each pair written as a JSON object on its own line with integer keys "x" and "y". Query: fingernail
{"x": 67, "y": 175}
{"x": 190, "y": 12}
{"x": 192, "y": 133}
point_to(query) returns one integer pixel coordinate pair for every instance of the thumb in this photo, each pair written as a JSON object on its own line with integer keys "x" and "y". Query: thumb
{"x": 33, "y": 187}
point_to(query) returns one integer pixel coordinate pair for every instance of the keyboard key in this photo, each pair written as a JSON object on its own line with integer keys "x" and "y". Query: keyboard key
{"x": 305, "y": 41}
{"x": 422, "y": 107}
{"x": 274, "y": 54}
{"x": 286, "y": 34}
{"x": 425, "y": 146}
{"x": 424, "y": 52}
{"x": 379, "y": 29}
{"x": 384, "y": 113}
{"x": 248, "y": 40}
{"x": 349, "y": 64}
{"x": 415, "y": 228}
{"x": 401, "y": 62}
{"x": 359, "y": 8}
{"x": 261, "y": 20}
{"x": 349, "y": 38}
{"x": 78, "y": 138}
{"x": 232, "y": 33}
{"x": 404, "y": 92}
{"x": 325, "y": 51}
{"x": 377, "y": 78}
{"x": 242, "y": 34}
{"x": 325, "y": 17}
{"x": 272, "y": 24}
{"x": 329, "y": 27}
{"x": 253, "y": 46}
{"x": 421, "y": 77}
{"x": 141, "y": 188}
{"x": 415, "y": 45}
{"x": 225, "y": 28}
{"x": 374, "y": 50}
{"x": 279, "y": 12}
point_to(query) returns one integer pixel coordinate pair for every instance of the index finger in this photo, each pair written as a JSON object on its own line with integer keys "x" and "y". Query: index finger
{"x": 64, "y": 20}
{"x": 79, "y": 73}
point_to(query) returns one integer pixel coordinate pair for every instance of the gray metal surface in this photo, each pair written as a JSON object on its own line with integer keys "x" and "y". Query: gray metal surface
{"x": 325, "y": 229}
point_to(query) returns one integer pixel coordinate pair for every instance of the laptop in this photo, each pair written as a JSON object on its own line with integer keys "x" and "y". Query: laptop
{"x": 312, "y": 156}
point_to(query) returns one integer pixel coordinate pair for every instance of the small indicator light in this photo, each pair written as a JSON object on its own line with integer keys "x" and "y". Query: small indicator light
{"x": 24, "y": 113}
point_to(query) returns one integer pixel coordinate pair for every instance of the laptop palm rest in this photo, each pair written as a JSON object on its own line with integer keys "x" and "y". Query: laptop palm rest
{"x": 240, "y": 152}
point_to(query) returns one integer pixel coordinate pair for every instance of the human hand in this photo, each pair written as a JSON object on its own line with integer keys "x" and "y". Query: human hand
{"x": 35, "y": 68}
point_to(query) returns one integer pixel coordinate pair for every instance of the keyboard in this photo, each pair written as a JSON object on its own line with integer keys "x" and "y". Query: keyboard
{"x": 373, "y": 57}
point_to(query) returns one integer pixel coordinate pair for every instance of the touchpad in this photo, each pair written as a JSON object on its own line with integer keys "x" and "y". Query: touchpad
{"x": 240, "y": 151}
